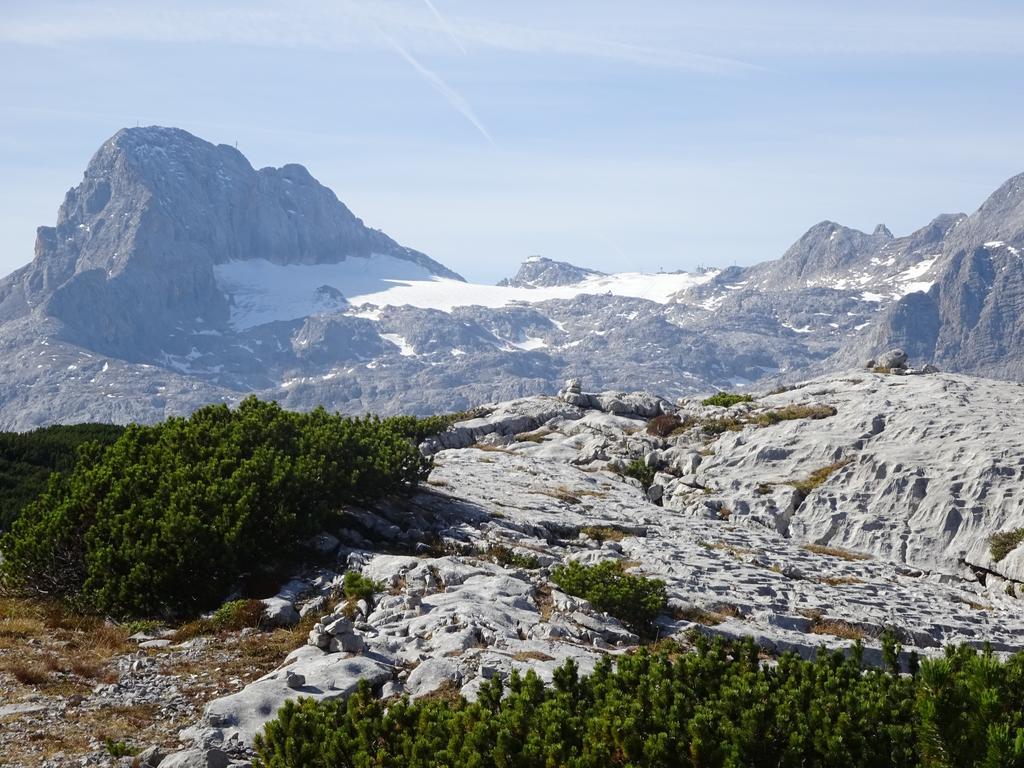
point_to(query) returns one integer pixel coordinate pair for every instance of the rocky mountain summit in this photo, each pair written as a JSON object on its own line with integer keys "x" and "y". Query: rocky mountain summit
{"x": 541, "y": 272}
{"x": 177, "y": 275}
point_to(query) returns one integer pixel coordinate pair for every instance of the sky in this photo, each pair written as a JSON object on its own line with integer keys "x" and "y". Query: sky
{"x": 618, "y": 136}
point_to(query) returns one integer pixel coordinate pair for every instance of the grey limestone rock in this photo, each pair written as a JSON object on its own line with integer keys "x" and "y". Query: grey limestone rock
{"x": 196, "y": 758}
{"x": 894, "y": 358}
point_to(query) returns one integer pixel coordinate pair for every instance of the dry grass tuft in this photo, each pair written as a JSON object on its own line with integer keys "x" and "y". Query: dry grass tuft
{"x": 663, "y": 425}
{"x": 792, "y": 412}
{"x": 562, "y": 494}
{"x": 32, "y": 673}
{"x": 21, "y": 627}
{"x": 837, "y": 581}
{"x": 603, "y": 533}
{"x": 532, "y": 656}
{"x": 843, "y": 554}
{"x": 534, "y": 437}
{"x": 545, "y": 603}
{"x": 730, "y": 548}
{"x": 818, "y": 476}
{"x": 837, "y": 628}
{"x": 711, "y": 616}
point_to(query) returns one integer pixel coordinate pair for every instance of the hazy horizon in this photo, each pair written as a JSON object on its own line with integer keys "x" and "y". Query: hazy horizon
{"x": 662, "y": 137}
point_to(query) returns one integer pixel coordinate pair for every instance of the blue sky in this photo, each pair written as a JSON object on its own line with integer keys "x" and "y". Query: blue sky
{"x": 615, "y": 135}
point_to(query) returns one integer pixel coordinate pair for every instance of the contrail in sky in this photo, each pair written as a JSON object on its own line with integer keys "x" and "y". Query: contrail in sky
{"x": 453, "y": 97}
{"x": 444, "y": 23}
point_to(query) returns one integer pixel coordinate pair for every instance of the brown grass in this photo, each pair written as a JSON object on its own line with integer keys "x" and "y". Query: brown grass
{"x": 818, "y": 476}
{"x": 843, "y": 554}
{"x": 730, "y": 548}
{"x": 534, "y": 437}
{"x": 545, "y": 605}
{"x": 562, "y": 494}
{"x": 532, "y": 656}
{"x": 21, "y": 627}
{"x": 603, "y": 533}
{"x": 792, "y": 412}
{"x": 837, "y": 628}
{"x": 33, "y": 673}
{"x": 711, "y": 616}
{"x": 663, "y": 425}
{"x": 837, "y": 581}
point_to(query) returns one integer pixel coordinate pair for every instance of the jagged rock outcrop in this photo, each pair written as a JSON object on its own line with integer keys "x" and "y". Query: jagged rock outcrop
{"x": 131, "y": 258}
{"x": 542, "y": 272}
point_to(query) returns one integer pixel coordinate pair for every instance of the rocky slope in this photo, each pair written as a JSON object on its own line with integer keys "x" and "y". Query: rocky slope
{"x": 894, "y": 535}
{"x": 825, "y": 513}
{"x": 178, "y": 275}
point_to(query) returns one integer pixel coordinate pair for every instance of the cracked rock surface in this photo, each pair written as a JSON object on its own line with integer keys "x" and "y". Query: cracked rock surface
{"x": 867, "y": 508}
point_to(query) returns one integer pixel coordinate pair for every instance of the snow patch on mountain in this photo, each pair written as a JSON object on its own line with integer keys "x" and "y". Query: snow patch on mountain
{"x": 405, "y": 349}
{"x": 262, "y": 292}
{"x": 446, "y": 295}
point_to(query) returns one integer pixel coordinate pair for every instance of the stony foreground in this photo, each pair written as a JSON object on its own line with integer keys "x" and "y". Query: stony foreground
{"x": 819, "y": 515}
{"x": 745, "y": 544}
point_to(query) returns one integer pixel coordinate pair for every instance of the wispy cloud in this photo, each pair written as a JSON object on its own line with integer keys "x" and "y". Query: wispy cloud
{"x": 336, "y": 26}
{"x": 453, "y": 97}
{"x": 444, "y": 23}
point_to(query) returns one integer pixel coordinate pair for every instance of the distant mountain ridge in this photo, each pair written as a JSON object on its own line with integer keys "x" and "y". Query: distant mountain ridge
{"x": 177, "y": 275}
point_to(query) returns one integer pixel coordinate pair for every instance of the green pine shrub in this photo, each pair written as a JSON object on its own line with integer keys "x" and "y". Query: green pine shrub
{"x": 167, "y": 519}
{"x": 715, "y": 707}
{"x": 359, "y": 587}
{"x": 634, "y": 600}
{"x": 1003, "y": 543}
{"x": 508, "y": 558}
{"x": 638, "y": 470}
{"x": 28, "y": 459}
{"x": 726, "y": 399}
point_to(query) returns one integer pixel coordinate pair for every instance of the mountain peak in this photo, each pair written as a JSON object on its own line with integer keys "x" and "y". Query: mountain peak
{"x": 136, "y": 242}
{"x": 542, "y": 272}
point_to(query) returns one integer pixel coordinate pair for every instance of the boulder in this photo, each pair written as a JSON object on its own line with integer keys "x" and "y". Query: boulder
{"x": 894, "y": 358}
{"x": 241, "y": 715}
{"x": 151, "y": 757}
{"x": 279, "y": 612}
{"x": 196, "y": 758}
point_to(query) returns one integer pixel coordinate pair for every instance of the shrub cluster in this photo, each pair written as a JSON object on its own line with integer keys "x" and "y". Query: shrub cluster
{"x": 359, "y": 587}
{"x": 167, "y": 519}
{"x": 663, "y": 425}
{"x": 716, "y": 707}
{"x": 1003, "y": 543}
{"x": 638, "y": 470}
{"x": 634, "y": 600}
{"x": 504, "y": 556}
{"x": 726, "y": 399}
{"x": 28, "y": 459}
